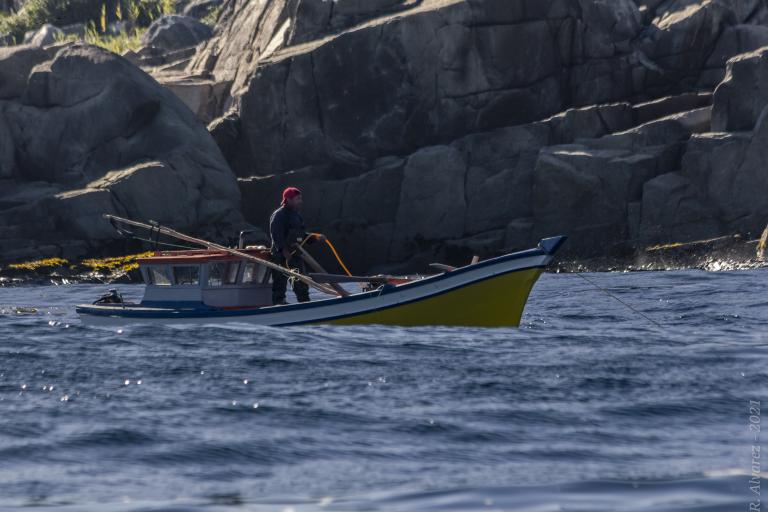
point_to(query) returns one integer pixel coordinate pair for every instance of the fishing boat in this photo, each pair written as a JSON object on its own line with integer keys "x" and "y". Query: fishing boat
{"x": 217, "y": 284}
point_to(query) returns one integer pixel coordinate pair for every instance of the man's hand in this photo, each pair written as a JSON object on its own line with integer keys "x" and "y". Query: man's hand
{"x": 287, "y": 254}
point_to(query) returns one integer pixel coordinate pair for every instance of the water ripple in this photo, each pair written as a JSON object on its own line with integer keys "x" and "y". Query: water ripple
{"x": 587, "y": 407}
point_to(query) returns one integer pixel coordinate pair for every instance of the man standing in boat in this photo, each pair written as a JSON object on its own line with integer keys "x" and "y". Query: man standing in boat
{"x": 286, "y": 228}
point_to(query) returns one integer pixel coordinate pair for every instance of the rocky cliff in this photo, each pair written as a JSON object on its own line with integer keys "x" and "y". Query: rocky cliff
{"x": 84, "y": 132}
{"x": 446, "y": 128}
{"x": 425, "y": 129}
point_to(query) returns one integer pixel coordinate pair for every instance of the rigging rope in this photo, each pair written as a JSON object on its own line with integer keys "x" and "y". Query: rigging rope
{"x": 330, "y": 245}
{"x": 338, "y": 258}
{"x": 654, "y": 322}
{"x": 167, "y": 244}
{"x": 131, "y": 235}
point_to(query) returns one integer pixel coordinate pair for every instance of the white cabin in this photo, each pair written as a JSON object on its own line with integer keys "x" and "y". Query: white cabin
{"x": 214, "y": 278}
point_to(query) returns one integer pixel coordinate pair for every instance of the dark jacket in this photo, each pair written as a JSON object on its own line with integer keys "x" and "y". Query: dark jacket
{"x": 286, "y": 227}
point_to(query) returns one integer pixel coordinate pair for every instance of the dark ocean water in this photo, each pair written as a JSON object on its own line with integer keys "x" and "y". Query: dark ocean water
{"x": 587, "y": 407}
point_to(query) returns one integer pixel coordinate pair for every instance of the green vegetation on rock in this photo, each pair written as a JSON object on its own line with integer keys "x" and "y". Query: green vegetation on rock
{"x": 212, "y": 17}
{"x": 96, "y": 15}
{"x": 48, "y": 263}
{"x": 110, "y": 269}
{"x": 115, "y": 264}
{"x": 119, "y": 44}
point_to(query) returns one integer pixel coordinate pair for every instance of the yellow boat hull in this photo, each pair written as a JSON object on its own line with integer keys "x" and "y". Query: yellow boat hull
{"x": 495, "y": 302}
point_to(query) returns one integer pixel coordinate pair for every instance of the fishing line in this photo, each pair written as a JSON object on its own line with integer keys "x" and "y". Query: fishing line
{"x": 628, "y": 306}
{"x": 167, "y": 244}
{"x": 131, "y": 235}
{"x": 157, "y": 242}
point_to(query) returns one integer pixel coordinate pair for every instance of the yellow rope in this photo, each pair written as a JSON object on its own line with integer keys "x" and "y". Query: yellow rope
{"x": 333, "y": 250}
{"x": 338, "y": 258}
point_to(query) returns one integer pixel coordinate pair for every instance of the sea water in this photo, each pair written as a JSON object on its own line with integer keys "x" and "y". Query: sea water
{"x": 588, "y": 406}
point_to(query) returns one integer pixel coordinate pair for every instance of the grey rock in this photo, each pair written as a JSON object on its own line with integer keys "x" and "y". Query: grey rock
{"x": 157, "y": 60}
{"x": 521, "y": 119}
{"x": 173, "y": 32}
{"x": 383, "y": 108}
{"x": 518, "y": 234}
{"x": 358, "y": 242}
{"x": 584, "y": 189}
{"x": 376, "y": 246}
{"x": 499, "y": 182}
{"x": 249, "y": 31}
{"x": 225, "y": 131}
{"x": 484, "y": 245}
{"x": 741, "y": 97}
{"x": 19, "y": 194}
{"x": 573, "y": 183}
{"x": 46, "y": 36}
{"x": 201, "y": 8}
{"x": 439, "y": 71}
{"x": 663, "y": 107}
{"x": 736, "y": 40}
{"x": 634, "y": 218}
{"x": 374, "y": 195}
{"x": 80, "y": 213}
{"x": 7, "y": 151}
{"x": 323, "y": 187}
{"x": 146, "y": 187}
{"x": 15, "y": 65}
{"x": 669, "y": 130}
{"x": 149, "y": 158}
{"x": 592, "y": 122}
{"x": 423, "y": 214}
{"x": 7, "y": 39}
{"x": 317, "y": 19}
{"x": 610, "y": 21}
{"x": 573, "y": 201}
{"x": 74, "y": 29}
{"x": 710, "y": 163}
{"x": 202, "y": 96}
{"x": 684, "y": 33}
{"x": 672, "y": 210}
{"x": 499, "y": 149}
{"x": 728, "y": 169}
{"x": 493, "y": 199}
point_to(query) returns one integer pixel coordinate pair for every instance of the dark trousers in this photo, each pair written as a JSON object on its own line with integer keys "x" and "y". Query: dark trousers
{"x": 280, "y": 281}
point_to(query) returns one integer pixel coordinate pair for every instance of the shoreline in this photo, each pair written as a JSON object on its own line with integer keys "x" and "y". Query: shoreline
{"x": 714, "y": 255}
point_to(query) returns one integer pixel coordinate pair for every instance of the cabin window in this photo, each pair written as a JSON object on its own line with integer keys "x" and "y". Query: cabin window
{"x": 187, "y": 275}
{"x": 254, "y": 273}
{"x": 222, "y": 273}
{"x": 158, "y": 276}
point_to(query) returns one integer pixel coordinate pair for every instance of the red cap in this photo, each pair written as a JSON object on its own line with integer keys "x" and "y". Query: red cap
{"x": 290, "y": 193}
